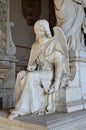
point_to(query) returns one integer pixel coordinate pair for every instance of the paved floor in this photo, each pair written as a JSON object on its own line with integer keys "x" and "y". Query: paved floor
{"x": 48, "y": 119}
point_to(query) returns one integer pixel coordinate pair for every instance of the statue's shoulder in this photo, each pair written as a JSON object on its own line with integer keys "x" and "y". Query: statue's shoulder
{"x": 53, "y": 46}
{"x": 34, "y": 44}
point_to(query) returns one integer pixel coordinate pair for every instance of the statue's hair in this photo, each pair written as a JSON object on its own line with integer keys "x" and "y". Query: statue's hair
{"x": 44, "y": 23}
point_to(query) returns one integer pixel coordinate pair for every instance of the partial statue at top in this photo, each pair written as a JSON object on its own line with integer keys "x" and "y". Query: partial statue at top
{"x": 71, "y": 18}
{"x": 37, "y": 87}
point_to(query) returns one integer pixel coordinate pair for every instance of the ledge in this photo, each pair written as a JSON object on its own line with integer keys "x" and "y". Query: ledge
{"x": 8, "y": 58}
{"x": 55, "y": 121}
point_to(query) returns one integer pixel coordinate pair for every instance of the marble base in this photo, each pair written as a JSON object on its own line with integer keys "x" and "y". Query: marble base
{"x": 69, "y": 99}
{"x": 55, "y": 121}
{"x": 73, "y": 97}
{"x": 80, "y": 64}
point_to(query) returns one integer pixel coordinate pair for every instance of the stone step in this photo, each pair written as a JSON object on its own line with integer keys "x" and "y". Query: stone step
{"x": 55, "y": 121}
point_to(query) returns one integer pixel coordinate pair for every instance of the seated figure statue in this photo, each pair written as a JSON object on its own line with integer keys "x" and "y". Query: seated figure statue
{"x": 35, "y": 88}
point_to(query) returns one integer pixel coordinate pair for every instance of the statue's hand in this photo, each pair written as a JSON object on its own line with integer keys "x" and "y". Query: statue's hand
{"x": 31, "y": 67}
{"x": 52, "y": 89}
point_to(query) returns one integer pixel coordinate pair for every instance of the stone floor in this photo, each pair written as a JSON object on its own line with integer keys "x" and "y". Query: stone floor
{"x": 55, "y": 121}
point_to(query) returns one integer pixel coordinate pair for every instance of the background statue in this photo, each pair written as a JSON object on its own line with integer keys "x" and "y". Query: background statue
{"x": 70, "y": 17}
{"x": 35, "y": 88}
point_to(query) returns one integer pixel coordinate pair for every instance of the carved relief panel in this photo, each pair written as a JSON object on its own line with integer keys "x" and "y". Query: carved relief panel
{"x": 3, "y": 25}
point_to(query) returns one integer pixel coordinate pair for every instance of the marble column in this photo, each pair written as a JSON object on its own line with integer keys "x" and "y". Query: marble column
{"x": 7, "y": 58}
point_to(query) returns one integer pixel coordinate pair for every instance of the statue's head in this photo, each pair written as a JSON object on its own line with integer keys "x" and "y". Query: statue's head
{"x": 41, "y": 28}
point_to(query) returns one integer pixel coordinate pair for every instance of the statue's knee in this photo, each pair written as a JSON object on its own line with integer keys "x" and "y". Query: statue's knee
{"x": 21, "y": 74}
{"x": 32, "y": 75}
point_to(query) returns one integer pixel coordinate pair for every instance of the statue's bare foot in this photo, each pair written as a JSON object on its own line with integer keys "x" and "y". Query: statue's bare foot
{"x": 39, "y": 112}
{"x": 13, "y": 115}
{"x": 50, "y": 109}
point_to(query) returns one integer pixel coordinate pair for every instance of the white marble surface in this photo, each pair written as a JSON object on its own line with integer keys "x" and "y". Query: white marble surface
{"x": 71, "y": 22}
{"x": 37, "y": 87}
{"x": 55, "y": 121}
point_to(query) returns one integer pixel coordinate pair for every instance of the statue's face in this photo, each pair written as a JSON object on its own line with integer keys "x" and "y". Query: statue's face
{"x": 39, "y": 30}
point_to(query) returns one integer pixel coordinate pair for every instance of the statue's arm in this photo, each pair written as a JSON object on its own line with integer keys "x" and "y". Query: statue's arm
{"x": 58, "y": 68}
{"x": 32, "y": 65}
{"x": 58, "y": 3}
{"x": 58, "y": 71}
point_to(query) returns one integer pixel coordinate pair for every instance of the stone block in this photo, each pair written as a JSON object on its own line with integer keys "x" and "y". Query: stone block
{"x": 7, "y": 81}
{"x": 7, "y": 98}
{"x": 55, "y": 121}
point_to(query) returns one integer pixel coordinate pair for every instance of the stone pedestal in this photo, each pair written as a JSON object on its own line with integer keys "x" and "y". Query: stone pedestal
{"x": 83, "y": 76}
{"x": 7, "y": 81}
{"x": 73, "y": 97}
{"x": 55, "y": 121}
{"x": 7, "y": 58}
